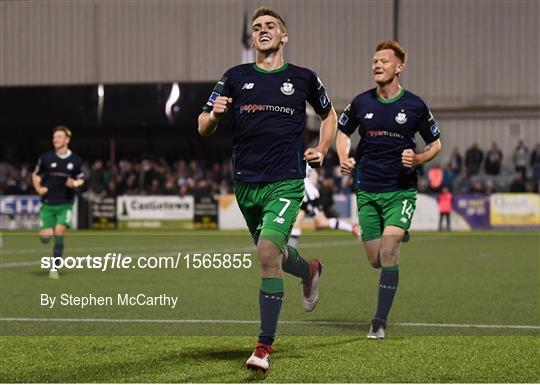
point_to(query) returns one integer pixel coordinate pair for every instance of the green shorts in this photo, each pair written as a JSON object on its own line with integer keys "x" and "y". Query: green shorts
{"x": 52, "y": 215}
{"x": 376, "y": 210}
{"x": 270, "y": 209}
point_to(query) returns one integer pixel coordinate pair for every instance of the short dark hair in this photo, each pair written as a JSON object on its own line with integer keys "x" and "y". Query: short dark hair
{"x": 263, "y": 11}
{"x": 64, "y": 129}
{"x": 394, "y": 46}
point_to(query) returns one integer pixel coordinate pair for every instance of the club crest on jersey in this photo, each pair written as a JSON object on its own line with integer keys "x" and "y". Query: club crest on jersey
{"x": 53, "y": 164}
{"x": 70, "y": 166}
{"x": 287, "y": 88}
{"x": 401, "y": 117}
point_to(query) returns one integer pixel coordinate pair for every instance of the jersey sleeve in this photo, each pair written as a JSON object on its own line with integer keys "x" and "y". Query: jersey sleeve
{"x": 428, "y": 128}
{"x": 222, "y": 87}
{"x": 317, "y": 96}
{"x": 39, "y": 166}
{"x": 77, "y": 172}
{"x": 347, "y": 122}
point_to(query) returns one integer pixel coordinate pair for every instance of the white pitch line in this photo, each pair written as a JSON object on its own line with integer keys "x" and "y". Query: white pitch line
{"x": 217, "y": 321}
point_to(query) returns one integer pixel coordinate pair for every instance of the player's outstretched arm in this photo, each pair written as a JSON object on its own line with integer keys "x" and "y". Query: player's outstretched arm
{"x": 327, "y": 133}
{"x": 208, "y": 121}
{"x": 410, "y": 159}
{"x": 343, "y": 146}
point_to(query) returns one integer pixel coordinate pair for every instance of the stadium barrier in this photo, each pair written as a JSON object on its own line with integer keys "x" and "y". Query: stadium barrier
{"x": 155, "y": 211}
{"x": 470, "y": 212}
{"x": 21, "y": 212}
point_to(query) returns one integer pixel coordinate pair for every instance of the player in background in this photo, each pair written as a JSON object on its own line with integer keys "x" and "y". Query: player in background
{"x": 311, "y": 207}
{"x": 56, "y": 177}
{"x": 387, "y": 118}
{"x": 267, "y": 103}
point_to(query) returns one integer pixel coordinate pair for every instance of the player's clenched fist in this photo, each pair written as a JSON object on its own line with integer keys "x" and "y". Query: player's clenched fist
{"x": 221, "y": 104}
{"x": 347, "y": 165}
{"x": 313, "y": 157}
{"x": 408, "y": 158}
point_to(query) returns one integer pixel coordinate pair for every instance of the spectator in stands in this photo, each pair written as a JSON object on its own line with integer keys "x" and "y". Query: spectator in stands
{"x": 148, "y": 174}
{"x": 195, "y": 171}
{"x": 448, "y": 176}
{"x": 535, "y": 165}
{"x": 423, "y": 186}
{"x": 518, "y": 183}
{"x": 155, "y": 187}
{"x": 25, "y": 183}
{"x": 494, "y": 159}
{"x": 4, "y": 172}
{"x": 111, "y": 190}
{"x": 477, "y": 187}
{"x": 171, "y": 184}
{"x": 132, "y": 185}
{"x": 12, "y": 181}
{"x": 435, "y": 177}
{"x": 489, "y": 188}
{"x": 96, "y": 180}
{"x": 521, "y": 157}
{"x": 456, "y": 162}
{"x": 445, "y": 207}
{"x": 473, "y": 159}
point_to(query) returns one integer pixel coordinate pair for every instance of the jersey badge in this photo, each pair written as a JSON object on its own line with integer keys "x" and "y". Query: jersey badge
{"x": 70, "y": 166}
{"x": 344, "y": 119}
{"x": 53, "y": 164}
{"x": 324, "y": 100}
{"x": 401, "y": 117}
{"x": 287, "y": 88}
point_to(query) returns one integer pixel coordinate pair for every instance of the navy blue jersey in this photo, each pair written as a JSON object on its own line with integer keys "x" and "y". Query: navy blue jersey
{"x": 269, "y": 116}
{"x": 54, "y": 171}
{"x": 386, "y": 128}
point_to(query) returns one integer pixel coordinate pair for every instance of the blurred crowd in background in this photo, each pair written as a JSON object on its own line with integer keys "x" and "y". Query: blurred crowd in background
{"x": 475, "y": 171}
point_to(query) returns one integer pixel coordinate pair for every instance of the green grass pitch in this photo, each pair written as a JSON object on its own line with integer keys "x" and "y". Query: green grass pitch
{"x": 467, "y": 310}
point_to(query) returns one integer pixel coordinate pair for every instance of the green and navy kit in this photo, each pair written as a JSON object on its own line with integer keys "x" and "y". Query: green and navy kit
{"x": 269, "y": 116}
{"x": 54, "y": 170}
{"x": 386, "y": 128}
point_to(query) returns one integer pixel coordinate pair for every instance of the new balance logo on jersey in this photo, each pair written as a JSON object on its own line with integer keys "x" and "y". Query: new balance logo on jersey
{"x": 404, "y": 220}
{"x": 279, "y": 220}
{"x": 248, "y": 86}
{"x": 369, "y": 115}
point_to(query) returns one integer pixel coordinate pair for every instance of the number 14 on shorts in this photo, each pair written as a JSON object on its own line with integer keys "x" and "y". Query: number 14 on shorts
{"x": 406, "y": 211}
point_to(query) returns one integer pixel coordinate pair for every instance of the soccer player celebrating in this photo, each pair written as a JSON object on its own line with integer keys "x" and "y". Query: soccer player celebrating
{"x": 56, "y": 177}
{"x": 267, "y": 102}
{"x": 387, "y": 118}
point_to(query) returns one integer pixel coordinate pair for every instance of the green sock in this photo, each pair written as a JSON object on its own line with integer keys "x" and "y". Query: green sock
{"x": 295, "y": 264}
